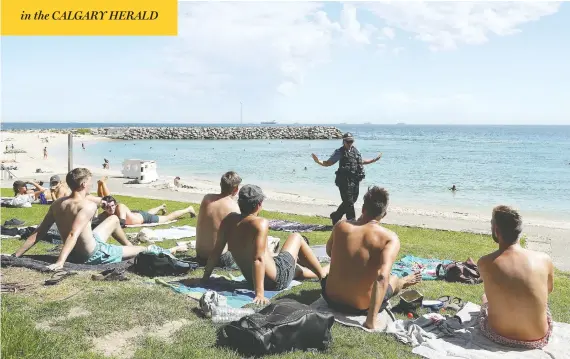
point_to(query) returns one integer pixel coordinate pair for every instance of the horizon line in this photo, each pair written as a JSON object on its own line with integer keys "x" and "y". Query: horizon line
{"x": 165, "y": 124}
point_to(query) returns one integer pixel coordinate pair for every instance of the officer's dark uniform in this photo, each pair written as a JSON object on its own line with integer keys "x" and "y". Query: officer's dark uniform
{"x": 350, "y": 173}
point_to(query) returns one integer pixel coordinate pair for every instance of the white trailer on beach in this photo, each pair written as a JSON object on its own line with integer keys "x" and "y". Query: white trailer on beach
{"x": 143, "y": 171}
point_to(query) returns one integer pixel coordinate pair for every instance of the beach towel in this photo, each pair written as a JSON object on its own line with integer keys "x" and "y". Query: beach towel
{"x": 289, "y": 226}
{"x": 159, "y": 235}
{"x": 383, "y": 319}
{"x": 406, "y": 266}
{"x": 437, "y": 337}
{"x": 234, "y": 289}
{"x": 149, "y": 224}
{"x": 321, "y": 253}
{"x": 411, "y": 264}
{"x": 40, "y": 262}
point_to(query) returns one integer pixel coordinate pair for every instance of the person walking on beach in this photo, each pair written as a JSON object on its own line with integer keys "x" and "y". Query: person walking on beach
{"x": 83, "y": 146}
{"x": 45, "y": 153}
{"x": 348, "y": 176}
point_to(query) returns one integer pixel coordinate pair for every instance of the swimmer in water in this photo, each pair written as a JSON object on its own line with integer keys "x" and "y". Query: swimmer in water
{"x": 453, "y": 188}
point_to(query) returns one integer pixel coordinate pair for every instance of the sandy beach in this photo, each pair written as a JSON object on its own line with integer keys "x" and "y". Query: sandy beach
{"x": 545, "y": 234}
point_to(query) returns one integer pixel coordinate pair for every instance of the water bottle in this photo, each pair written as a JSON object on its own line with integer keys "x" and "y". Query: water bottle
{"x": 224, "y": 314}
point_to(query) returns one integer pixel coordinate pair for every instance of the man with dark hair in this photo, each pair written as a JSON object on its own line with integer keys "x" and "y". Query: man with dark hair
{"x": 130, "y": 217}
{"x": 348, "y": 176}
{"x": 246, "y": 237}
{"x": 73, "y": 215}
{"x": 517, "y": 284}
{"x": 362, "y": 254}
{"x": 213, "y": 209}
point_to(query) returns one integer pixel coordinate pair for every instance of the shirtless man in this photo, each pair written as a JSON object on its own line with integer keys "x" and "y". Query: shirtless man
{"x": 213, "y": 209}
{"x": 517, "y": 284}
{"x": 362, "y": 254}
{"x": 128, "y": 217}
{"x": 246, "y": 237}
{"x": 58, "y": 189}
{"x": 73, "y": 215}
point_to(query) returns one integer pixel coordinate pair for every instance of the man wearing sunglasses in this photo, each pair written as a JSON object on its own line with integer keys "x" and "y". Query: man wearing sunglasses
{"x": 348, "y": 176}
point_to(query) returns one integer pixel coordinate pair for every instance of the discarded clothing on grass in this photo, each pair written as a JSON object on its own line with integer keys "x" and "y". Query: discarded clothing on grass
{"x": 236, "y": 290}
{"x": 149, "y": 224}
{"x": 383, "y": 319}
{"x": 411, "y": 264}
{"x": 147, "y": 235}
{"x": 289, "y": 226}
{"x": 437, "y": 337}
{"x": 16, "y": 233}
{"x": 40, "y": 262}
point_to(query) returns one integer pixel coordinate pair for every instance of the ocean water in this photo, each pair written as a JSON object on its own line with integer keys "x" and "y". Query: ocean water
{"x": 524, "y": 166}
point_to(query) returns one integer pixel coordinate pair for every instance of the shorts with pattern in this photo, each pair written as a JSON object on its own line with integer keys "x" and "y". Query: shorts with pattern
{"x": 499, "y": 339}
{"x": 104, "y": 253}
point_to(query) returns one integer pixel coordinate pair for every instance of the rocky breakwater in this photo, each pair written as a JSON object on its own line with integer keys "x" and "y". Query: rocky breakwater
{"x": 229, "y": 133}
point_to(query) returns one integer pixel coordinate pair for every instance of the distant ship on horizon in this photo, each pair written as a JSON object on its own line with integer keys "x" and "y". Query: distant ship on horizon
{"x": 268, "y": 122}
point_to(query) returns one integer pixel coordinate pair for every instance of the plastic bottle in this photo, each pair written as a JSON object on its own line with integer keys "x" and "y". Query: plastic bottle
{"x": 228, "y": 314}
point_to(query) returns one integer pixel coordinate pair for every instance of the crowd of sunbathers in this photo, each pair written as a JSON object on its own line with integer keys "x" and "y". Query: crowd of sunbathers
{"x": 358, "y": 279}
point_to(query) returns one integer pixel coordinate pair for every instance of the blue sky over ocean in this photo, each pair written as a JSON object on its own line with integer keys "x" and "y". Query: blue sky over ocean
{"x": 378, "y": 62}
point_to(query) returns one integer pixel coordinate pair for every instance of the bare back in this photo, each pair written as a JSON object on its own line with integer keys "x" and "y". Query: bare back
{"x": 240, "y": 234}
{"x": 517, "y": 283}
{"x": 65, "y": 211}
{"x": 213, "y": 209}
{"x": 356, "y": 258}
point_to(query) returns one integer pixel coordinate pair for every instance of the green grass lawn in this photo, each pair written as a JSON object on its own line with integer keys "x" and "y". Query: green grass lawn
{"x": 81, "y": 318}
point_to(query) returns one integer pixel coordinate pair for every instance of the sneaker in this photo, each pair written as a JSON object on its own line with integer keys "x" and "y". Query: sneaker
{"x": 14, "y": 222}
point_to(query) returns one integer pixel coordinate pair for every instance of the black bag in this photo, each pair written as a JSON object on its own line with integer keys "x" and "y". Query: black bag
{"x": 462, "y": 272}
{"x": 161, "y": 264}
{"x": 281, "y": 326}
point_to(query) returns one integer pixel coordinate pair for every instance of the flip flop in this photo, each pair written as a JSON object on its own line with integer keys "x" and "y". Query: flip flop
{"x": 58, "y": 277}
{"x": 450, "y": 302}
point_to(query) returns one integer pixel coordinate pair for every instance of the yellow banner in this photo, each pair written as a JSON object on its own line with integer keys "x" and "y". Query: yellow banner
{"x": 89, "y": 17}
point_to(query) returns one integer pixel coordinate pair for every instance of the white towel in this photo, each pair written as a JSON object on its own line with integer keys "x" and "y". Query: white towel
{"x": 384, "y": 318}
{"x": 438, "y": 337}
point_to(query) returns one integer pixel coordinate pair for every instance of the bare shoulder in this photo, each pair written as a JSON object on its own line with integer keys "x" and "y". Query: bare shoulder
{"x": 539, "y": 256}
{"x": 207, "y": 199}
{"x": 260, "y": 223}
{"x": 487, "y": 259}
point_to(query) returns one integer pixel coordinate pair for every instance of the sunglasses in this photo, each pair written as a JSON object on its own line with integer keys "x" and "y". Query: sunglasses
{"x": 349, "y": 141}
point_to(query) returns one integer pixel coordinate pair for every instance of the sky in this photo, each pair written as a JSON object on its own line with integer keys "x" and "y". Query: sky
{"x": 306, "y": 62}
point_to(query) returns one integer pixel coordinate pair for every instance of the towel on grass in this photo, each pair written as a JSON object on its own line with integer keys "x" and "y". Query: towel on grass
{"x": 411, "y": 264}
{"x": 437, "y": 337}
{"x": 289, "y": 226}
{"x": 405, "y": 266}
{"x": 384, "y": 318}
{"x": 40, "y": 262}
{"x": 235, "y": 289}
{"x": 158, "y": 235}
{"x": 321, "y": 253}
{"x": 149, "y": 224}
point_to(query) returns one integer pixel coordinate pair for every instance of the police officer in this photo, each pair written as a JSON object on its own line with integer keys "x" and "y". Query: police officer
{"x": 350, "y": 173}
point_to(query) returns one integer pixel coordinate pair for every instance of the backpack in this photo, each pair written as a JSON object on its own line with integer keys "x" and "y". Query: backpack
{"x": 462, "y": 272}
{"x": 281, "y": 326}
{"x": 160, "y": 264}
